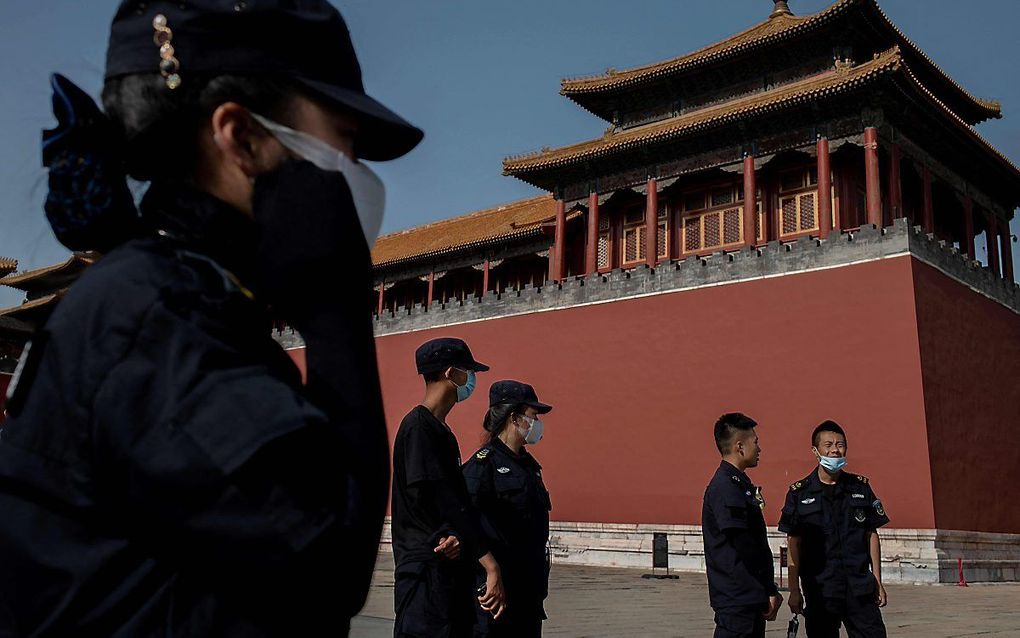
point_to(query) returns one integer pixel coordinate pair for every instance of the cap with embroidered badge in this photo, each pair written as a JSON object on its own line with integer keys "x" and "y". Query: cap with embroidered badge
{"x": 304, "y": 41}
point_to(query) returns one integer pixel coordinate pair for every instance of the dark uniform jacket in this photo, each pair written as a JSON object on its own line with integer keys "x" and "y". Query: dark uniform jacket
{"x": 834, "y": 524}
{"x": 514, "y": 505}
{"x": 163, "y": 472}
{"x": 737, "y": 555}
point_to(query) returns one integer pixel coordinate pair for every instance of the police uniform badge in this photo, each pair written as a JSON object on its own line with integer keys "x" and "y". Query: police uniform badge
{"x": 482, "y": 453}
{"x": 796, "y": 486}
{"x": 878, "y": 507}
{"x": 859, "y": 516}
{"x": 503, "y": 470}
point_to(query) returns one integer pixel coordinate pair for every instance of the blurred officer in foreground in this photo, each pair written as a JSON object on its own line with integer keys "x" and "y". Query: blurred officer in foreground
{"x": 437, "y": 538}
{"x": 741, "y": 572}
{"x": 505, "y": 483}
{"x": 832, "y": 518}
{"x": 163, "y": 471}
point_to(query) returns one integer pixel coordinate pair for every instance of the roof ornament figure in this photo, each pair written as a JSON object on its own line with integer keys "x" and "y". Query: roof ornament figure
{"x": 781, "y": 9}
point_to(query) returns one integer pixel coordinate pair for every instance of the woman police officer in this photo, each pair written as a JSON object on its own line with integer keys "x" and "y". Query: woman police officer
{"x": 505, "y": 484}
{"x": 163, "y": 471}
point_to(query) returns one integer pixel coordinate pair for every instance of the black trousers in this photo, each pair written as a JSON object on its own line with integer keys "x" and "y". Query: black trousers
{"x": 740, "y": 622}
{"x": 859, "y": 614}
{"x": 509, "y": 626}
{"x": 432, "y": 600}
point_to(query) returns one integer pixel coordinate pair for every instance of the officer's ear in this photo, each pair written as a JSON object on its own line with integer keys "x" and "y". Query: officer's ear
{"x": 242, "y": 142}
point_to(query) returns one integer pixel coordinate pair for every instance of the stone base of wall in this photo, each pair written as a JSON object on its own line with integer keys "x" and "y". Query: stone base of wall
{"x": 920, "y": 556}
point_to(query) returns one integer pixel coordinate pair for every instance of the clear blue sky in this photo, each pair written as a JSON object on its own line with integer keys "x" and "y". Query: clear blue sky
{"x": 480, "y": 77}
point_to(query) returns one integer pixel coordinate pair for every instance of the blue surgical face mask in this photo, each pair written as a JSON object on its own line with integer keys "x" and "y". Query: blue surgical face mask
{"x": 832, "y": 464}
{"x": 464, "y": 391}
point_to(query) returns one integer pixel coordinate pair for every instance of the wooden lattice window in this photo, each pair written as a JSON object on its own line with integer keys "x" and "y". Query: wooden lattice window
{"x": 759, "y": 224}
{"x": 633, "y": 244}
{"x": 723, "y": 196}
{"x": 635, "y": 215}
{"x": 695, "y": 201}
{"x": 798, "y": 214}
{"x": 713, "y": 229}
{"x": 798, "y": 179}
{"x": 603, "y": 250}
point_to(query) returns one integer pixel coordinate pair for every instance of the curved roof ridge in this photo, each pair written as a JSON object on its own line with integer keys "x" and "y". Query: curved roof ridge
{"x": 832, "y": 80}
{"x": 505, "y": 221}
{"x": 783, "y": 27}
{"x": 477, "y": 213}
{"x": 18, "y": 279}
{"x": 753, "y": 35}
{"x": 990, "y": 105}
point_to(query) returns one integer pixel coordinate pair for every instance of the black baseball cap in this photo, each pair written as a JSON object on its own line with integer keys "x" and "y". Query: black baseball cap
{"x": 304, "y": 41}
{"x": 443, "y": 353}
{"x": 515, "y": 392}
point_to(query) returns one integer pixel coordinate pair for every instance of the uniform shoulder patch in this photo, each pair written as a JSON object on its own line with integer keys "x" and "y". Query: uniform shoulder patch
{"x": 482, "y": 453}
{"x": 862, "y": 479}
{"x": 796, "y": 486}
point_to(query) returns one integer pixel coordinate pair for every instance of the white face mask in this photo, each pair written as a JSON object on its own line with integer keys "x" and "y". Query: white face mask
{"x": 367, "y": 189}
{"x": 535, "y": 429}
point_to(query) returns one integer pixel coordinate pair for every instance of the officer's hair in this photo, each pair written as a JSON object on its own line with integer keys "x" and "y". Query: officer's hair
{"x": 826, "y": 426}
{"x": 159, "y": 126}
{"x": 498, "y": 416}
{"x": 727, "y": 426}
{"x": 434, "y": 376}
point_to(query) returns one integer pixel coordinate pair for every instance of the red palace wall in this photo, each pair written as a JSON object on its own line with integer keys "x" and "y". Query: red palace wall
{"x": 970, "y": 360}
{"x": 637, "y": 385}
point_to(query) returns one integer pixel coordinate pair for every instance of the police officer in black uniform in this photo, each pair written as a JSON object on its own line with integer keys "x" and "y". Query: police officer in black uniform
{"x": 505, "y": 483}
{"x": 163, "y": 471}
{"x": 832, "y": 518}
{"x": 741, "y": 585}
{"x": 437, "y": 538}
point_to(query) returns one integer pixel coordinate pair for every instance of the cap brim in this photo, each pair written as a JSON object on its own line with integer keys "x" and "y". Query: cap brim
{"x": 541, "y": 408}
{"x": 477, "y": 367}
{"x": 382, "y": 134}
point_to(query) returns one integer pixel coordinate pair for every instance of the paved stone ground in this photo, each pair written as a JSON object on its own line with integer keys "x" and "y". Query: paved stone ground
{"x": 598, "y": 601}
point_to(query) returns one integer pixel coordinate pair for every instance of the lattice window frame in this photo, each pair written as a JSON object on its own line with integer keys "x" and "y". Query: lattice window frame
{"x": 792, "y": 222}
{"x": 602, "y": 254}
{"x": 708, "y": 225}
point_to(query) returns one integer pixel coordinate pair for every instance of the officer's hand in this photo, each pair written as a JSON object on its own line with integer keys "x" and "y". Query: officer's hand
{"x": 796, "y": 602}
{"x": 775, "y": 602}
{"x": 494, "y": 598}
{"x": 883, "y": 599}
{"x": 448, "y": 547}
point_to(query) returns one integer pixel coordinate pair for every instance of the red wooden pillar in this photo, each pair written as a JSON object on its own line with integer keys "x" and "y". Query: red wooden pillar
{"x": 824, "y": 170}
{"x": 750, "y": 201}
{"x": 432, "y": 285}
{"x": 652, "y": 224}
{"x": 968, "y": 226}
{"x": 485, "y": 277}
{"x": 382, "y": 295}
{"x": 928, "y": 214}
{"x": 592, "y": 253}
{"x": 871, "y": 176}
{"x": 992, "y": 233}
{"x": 556, "y": 266}
{"x": 895, "y": 182}
{"x": 1007, "y": 251}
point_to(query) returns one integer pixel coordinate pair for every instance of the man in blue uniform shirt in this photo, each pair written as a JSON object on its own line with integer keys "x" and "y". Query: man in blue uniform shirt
{"x": 832, "y": 518}
{"x": 741, "y": 584}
